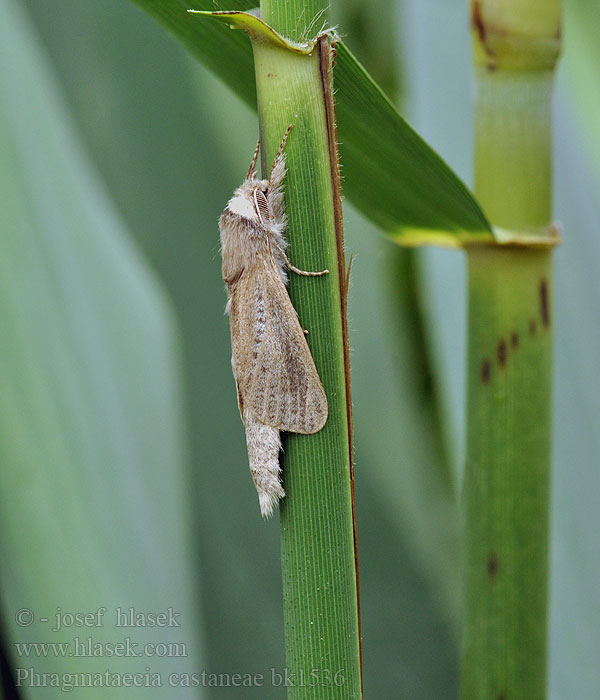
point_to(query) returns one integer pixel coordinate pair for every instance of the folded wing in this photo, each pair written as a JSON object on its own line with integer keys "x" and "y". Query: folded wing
{"x": 275, "y": 372}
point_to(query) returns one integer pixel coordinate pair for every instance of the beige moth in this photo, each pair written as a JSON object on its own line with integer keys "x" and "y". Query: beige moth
{"x": 278, "y": 386}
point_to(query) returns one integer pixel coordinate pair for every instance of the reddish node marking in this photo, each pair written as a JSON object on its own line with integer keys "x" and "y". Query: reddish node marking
{"x": 492, "y": 566}
{"x": 486, "y": 371}
{"x": 544, "y": 303}
{"x": 502, "y": 352}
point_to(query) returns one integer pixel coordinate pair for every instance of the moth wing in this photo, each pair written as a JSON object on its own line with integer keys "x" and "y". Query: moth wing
{"x": 276, "y": 376}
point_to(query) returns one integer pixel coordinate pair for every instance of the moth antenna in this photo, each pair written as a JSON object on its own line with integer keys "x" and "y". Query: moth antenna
{"x": 280, "y": 151}
{"x": 252, "y": 168}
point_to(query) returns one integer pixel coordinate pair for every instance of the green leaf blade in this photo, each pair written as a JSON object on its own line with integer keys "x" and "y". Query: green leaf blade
{"x": 390, "y": 173}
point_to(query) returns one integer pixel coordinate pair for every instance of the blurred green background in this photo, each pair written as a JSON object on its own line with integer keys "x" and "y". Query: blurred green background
{"x": 124, "y": 471}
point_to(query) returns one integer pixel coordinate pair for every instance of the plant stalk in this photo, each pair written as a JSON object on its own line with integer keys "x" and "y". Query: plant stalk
{"x": 507, "y": 475}
{"x": 320, "y": 587}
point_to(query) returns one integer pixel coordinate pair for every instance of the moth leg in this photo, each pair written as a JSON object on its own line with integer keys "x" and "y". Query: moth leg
{"x": 295, "y": 269}
{"x": 239, "y": 398}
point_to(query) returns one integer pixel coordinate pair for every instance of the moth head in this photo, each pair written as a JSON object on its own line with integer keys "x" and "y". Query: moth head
{"x": 251, "y": 198}
{"x": 250, "y": 201}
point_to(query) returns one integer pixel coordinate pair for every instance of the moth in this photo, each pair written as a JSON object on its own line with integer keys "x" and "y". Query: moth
{"x": 278, "y": 387}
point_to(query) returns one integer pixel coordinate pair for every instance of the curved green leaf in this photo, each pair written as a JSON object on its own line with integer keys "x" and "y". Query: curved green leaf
{"x": 390, "y": 173}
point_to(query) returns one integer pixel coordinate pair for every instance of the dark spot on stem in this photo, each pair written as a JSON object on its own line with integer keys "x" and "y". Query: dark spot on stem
{"x": 502, "y": 696}
{"x": 485, "y": 371}
{"x": 514, "y": 340}
{"x": 501, "y": 352}
{"x": 532, "y": 327}
{"x": 479, "y": 25}
{"x": 477, "y": 20}
{"x": 544, "y": 303}
{"x": 492, "y": 566}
